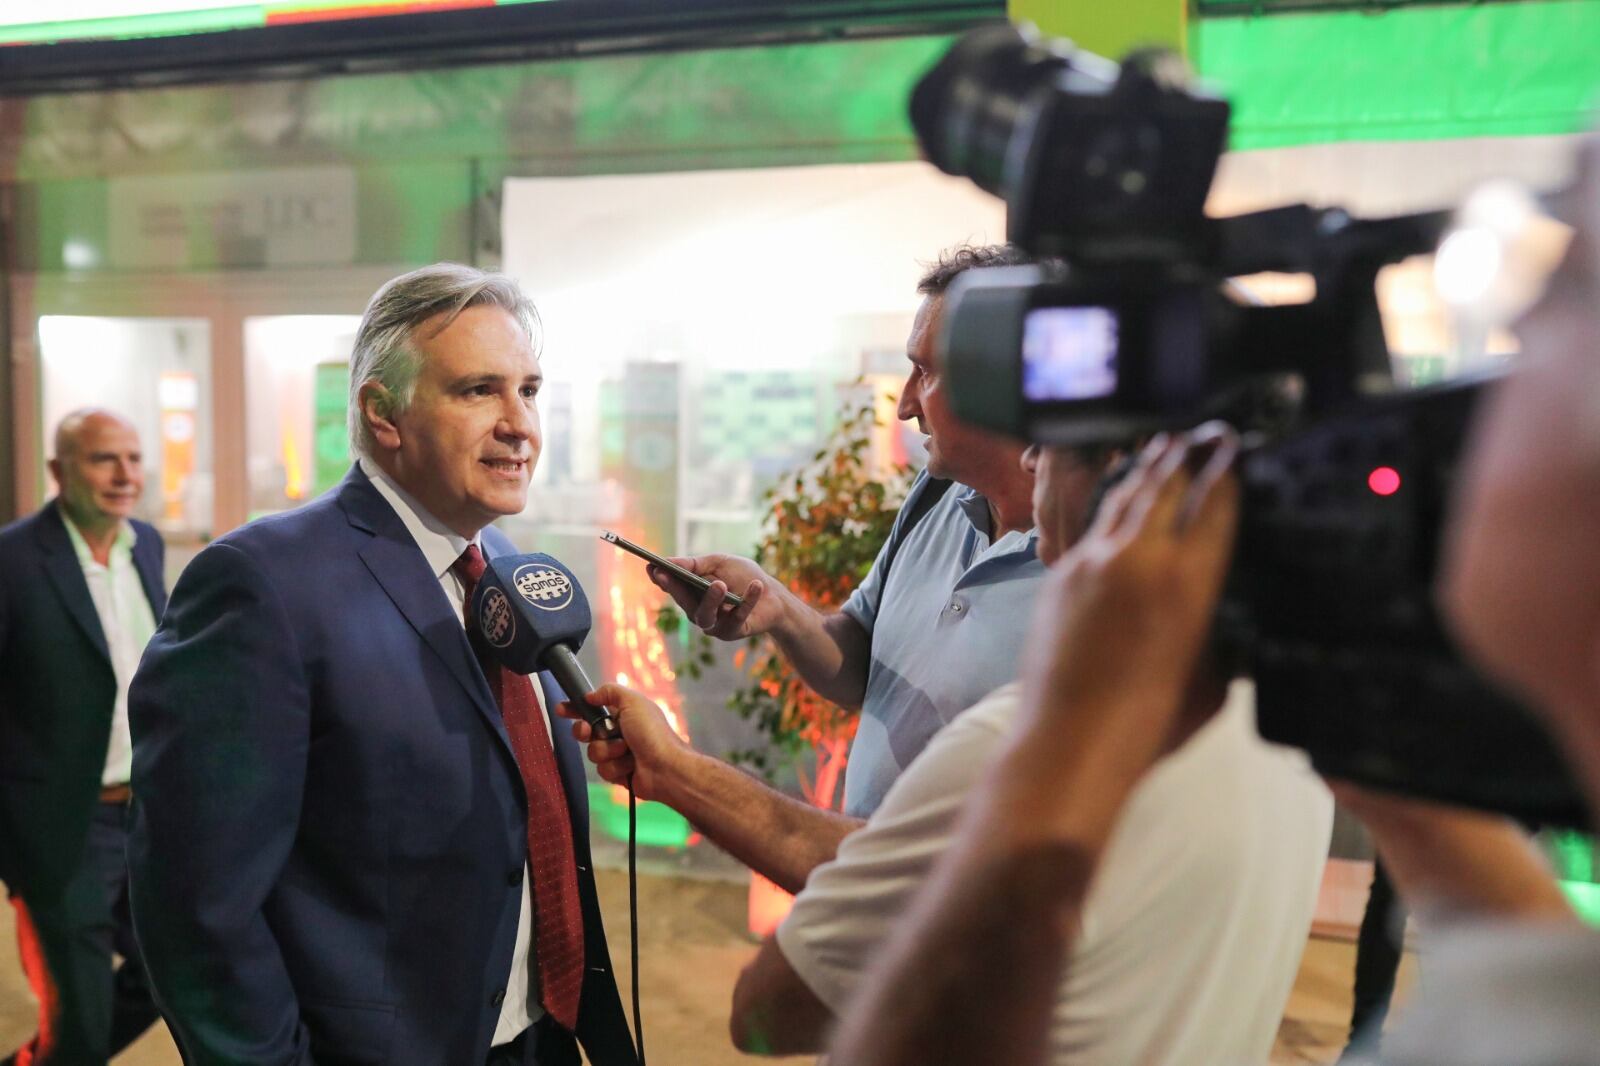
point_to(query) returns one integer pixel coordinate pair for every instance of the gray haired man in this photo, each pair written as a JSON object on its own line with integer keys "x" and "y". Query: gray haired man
{"x": 355, "y": 837}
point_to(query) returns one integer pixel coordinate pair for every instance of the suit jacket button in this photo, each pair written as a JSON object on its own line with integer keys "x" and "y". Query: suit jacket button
{"x": 498, "y": 998}
{"x": 514, "y": 878}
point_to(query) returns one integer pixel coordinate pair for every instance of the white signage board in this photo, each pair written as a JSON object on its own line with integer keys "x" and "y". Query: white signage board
{"x": 303, "y": 216}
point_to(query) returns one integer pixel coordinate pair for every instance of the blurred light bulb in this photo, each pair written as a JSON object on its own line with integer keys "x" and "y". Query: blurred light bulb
{"x": 79, "y": 255}
{"x": 1495, "y": 263}
{"x": 1465, "y": 268}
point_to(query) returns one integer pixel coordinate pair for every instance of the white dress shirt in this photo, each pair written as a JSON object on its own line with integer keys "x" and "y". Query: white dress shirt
{"x": 128, "y": 624}
{"x": 441, "y": 546}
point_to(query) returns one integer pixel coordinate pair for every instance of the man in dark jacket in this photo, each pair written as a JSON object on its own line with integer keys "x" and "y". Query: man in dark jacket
{"x": 353, "y": 840}
{"x": 80, "y": 594}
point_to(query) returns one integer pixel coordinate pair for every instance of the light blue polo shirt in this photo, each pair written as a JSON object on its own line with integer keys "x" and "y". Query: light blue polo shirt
{"x": 946, "y": 633}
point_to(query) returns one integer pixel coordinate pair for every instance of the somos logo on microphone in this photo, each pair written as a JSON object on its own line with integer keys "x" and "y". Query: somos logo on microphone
{"x": 499, "y": 625}
{"x": 546, "y": 588}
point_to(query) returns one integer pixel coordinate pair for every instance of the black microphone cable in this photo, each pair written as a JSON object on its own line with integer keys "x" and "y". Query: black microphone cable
{"x": 633, "y": 914}
{"x": 604, "y": 726}
{"x": 607, "y": 727}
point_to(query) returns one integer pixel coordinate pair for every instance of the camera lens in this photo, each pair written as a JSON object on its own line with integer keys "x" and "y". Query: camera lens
{"x": 967, "y": 108}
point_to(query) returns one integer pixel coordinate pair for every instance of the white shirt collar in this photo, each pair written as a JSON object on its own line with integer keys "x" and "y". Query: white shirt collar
{"x": 440, "y": 545}
{"x": 121, "y": 547}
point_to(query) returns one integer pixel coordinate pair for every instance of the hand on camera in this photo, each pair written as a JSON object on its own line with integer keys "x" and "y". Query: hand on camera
{"x": 1126, "y": 613}
{"x": 759, "y": 613}
{"x": 648, "y": 750}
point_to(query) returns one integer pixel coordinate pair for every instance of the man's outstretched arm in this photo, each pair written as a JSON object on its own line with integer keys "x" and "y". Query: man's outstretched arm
{"x": 779, "y": 837}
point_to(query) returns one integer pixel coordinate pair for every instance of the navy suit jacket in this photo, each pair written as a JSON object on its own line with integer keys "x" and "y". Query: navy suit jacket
{"x": 57, "y": 694}
{"x": 329, "y": 829}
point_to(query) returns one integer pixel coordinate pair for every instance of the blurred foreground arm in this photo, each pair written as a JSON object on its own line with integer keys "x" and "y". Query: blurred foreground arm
{"x": 774, "y": 1011}
{"x": 1520, "y": 577}
{"x": 1460, "y": 862}
{"x": 970, "y": 975}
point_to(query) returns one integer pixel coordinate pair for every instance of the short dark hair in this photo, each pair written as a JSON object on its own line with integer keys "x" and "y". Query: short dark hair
{"x": 952, "y": 261}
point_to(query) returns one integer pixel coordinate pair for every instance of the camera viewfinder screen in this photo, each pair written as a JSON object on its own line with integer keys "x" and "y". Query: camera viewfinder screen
{"x": 1069, "y": 353}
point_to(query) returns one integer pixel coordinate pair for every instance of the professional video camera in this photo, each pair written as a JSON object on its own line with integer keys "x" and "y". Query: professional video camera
{"x": 1131, "y": 325}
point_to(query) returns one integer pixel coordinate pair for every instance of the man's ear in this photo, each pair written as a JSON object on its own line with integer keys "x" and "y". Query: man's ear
{"x": 378, "y": 410}
{"x": 54, "y": 466}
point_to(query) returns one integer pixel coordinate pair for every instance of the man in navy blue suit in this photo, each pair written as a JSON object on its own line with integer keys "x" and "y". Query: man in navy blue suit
{"x": 80, "y": 592}
{"x": 356, "y": 839}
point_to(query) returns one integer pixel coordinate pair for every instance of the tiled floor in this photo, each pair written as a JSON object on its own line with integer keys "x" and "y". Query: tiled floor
{"x": 693, "y": 945}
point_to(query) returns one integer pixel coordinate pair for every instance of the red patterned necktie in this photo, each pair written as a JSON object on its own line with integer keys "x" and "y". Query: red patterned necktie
{"x": 557, "y": 914}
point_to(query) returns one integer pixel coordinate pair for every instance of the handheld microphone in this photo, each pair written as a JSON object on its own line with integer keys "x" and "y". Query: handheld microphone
{"x": 532, "y": 614}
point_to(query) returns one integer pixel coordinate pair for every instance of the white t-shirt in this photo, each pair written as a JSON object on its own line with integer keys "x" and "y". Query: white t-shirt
{"x": 1194, "y": 927}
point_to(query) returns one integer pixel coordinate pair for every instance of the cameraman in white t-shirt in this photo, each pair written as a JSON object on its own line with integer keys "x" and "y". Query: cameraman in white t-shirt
{"x": 1189, "y": 941}
{"x": 1512, "y": 976}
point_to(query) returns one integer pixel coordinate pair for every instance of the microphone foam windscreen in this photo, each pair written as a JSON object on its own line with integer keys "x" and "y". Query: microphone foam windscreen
{"x": 524, "y": 604}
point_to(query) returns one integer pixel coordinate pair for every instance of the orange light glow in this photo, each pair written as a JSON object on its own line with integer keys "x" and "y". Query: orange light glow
{"x": 888, "y": 440}
{"x": 179, "y": 392}
{"x": 768, "y": 907}
{"x": 294, "y": 477}
{"x": 283, "y": 14}
{"x": 633, "y": 651}
{"x": 42, "y": 982}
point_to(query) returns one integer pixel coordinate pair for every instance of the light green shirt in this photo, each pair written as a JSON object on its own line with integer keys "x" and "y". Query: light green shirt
{"x": 128, "y": 624}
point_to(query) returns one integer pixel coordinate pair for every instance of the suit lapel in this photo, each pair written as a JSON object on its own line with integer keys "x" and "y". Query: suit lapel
{"x": 147, "y": 562}
{"x": 66, "y": 574}
{"x": 398, "y": 565}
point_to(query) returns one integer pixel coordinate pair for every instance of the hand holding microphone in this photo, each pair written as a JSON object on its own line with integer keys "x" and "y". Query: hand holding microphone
{"x": 532, "y": 615}
{"x": 647, "y": 754}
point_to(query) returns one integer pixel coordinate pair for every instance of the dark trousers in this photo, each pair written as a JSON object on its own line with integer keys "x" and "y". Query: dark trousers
{"x": 88, "y": 1009}
{"x": 544, "y": 1043}
{"x": 1378, "y": 949}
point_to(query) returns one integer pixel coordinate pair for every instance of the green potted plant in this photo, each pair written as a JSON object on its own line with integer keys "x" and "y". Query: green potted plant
{"x": 825, "y": 524}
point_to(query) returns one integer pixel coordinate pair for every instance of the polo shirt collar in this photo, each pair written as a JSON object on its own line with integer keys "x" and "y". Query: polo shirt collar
{"x": 975, "y": 506}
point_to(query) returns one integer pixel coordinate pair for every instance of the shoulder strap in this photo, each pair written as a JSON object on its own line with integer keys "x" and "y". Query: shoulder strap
{"x": 923, "y": 496}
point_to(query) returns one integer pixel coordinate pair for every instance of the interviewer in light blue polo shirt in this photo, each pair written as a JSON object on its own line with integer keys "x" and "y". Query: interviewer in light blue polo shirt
{"x": 911, "y": 652}
{"x": 945, "y": 632}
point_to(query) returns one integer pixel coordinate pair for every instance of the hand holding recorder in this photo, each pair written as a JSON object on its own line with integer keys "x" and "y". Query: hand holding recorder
{"x": 642, "y": 749}
{"x": 701, "y": 586}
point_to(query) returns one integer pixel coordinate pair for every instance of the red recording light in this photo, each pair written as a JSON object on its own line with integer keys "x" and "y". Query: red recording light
{"x": 1385, "y": 481}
